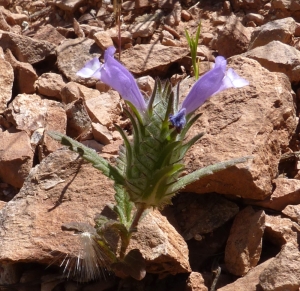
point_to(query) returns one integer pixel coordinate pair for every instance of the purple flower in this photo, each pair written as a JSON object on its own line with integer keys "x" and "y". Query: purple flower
{"x": 212, "y": 82}
{"x": 116, "y": 76}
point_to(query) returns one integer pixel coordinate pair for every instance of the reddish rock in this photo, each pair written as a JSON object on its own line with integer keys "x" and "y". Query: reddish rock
{"x": 256, "y": 120}
{"x": 293, "y": 212}
{"x": 250, "y": 281}
{"x": 103, "y": 39}
{"x": 25, "y": 75}
{"x": 6, "y": 83}
{"x": 233, "y": 38}
{"x": 16, "y": 157}
{"x": 280, "y": 231}
{"x": 283, "y": 272}
{"x": 286, "y": 192}
{"x": 282, "y": 30}
{"x": 63, "y": 189}
{"x": 101, "y": 133}
{"x": 50, "y": 84}
{"x": 104, "y": 109}
{"x": 50, "y": 34}
{"x": 145, "y": 29}
{"x": 26, "y": 49}
{"x": 244, "y": 243}
{"x": 148, "y": 57}
{"x": 195, "y": 282}
{"x": 69, "y": 5}
{"x": 278, "y": 57}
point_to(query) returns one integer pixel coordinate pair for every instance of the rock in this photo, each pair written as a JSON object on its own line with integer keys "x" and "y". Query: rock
{"x": 101, "y": 133}
{"x": 281, "y": 30}
{"x": 250, "y": 281}
{"x": 143, "y": 59}
{"x": 25, "y": 75}
{"x": 283, "y": 272}
{"x": 68, "y": 5}
{"x": 202, "y": 214}
{"x": 256, "y": 18}
{"x": 30, "y": 112}
{"x": 286, "y": 192}
{"x": 16, "y": 157}
{"x": 280, "y": 231}
{"x": 290, "y": 5}
{"x": 104, "y": 109}
{"x": 206, "y": 38}
{"x": 233, "y": 38}
{"x": 126, "y": 36}
{"x": 50, "y": 84}
{"x": 246, "y": 4}
{"x": 293, "y": 212}
{"x": 185, "y": 15}
{"x": 278, "y": 57}
{"x": 54, "y": 193}
{"x": 72, "y": 55}
{"x": 103, "y": 39}
{"x": 98, "y": 147}
{"x": 6, "y": 83}
{"x": 195, "y": 282}
{"x": 26, "y": 49}
{"x": 50, "y": 34}
{"x": 297, "y": 30}
{"x": 244, "y": 243}
{"x": 145, "y": 29}
{"x": 73, "y": 91}
{"x": 256, "y": 120}
{"x": 146, "y": 84}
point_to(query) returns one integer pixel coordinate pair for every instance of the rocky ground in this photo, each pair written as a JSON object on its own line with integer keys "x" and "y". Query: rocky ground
{"x": 241, "y": 233}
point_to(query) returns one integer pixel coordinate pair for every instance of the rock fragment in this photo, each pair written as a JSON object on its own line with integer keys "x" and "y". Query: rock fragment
{"x": 6, "y": 83}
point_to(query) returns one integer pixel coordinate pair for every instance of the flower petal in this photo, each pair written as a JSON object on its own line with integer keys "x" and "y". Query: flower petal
{"x": 89, "y": 68}
{"x": 178, "y": 120}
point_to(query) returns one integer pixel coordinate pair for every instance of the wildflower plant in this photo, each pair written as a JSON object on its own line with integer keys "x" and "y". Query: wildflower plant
{"x": 148, "y": 171}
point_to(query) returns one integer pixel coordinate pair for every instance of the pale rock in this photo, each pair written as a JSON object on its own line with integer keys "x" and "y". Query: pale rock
{"x": 286, "y": 192}
{"x": 278, "y": 57}
{"x": 244, "y": 243}
{"x": 68, "y": 5}
{"x": 257, "y": 120}
{"x": 167, "y": 34}
{"x": 141, "y": 59}
{"x": 126, "y": 36}
{"x": 175, "y": 16}
{"x": 49, "y": 33}
{"x": 128, "y": 5}
{"x": 250, "y": 281}
{"x": 16, "y": 157}
{"x": 79, "y": 122}
{"x": 297, "y": 30}
{"x": 50, "y": 84}
{"x": 185, "y": 15}
{"x": 280, "y": 231}
{"x": 26, "y": 49}
{"x": 25, "y": 74}
{"x": 218, "y": 20}
{"x": 145, "y": 29}
{"x": 73, "y": 54}
{"x": 205, "y": 213}
{"x": 65, "y": 189}
{"x": 27, "y": 112}
{"x": 13, "y": 18}
{"x": 280, "y": 29}
{"x": 195, "y": 282}
{"x": 205, "y": 52}
{"x": 256, "y": 18}
{"x": 146, "y": 84}
{"x": 101, "y": 133}
{"x": 73, "y": 91}
{"x": 2, "y": 204}
{"x": 206, "y": 38}
{"x": 283, "y": 273}
{"x": 104, "y": 108}
{"x": 90, "y": 30}
{"x": 233, "y": 38}
{"x": 103, "y": 39}
{"x": 144, "y": 3}
{"x": 169, "y": 42}
{"x": 293, "y": 212}
{"x": 6, "y": 83}
{"x": 91, "y": 143}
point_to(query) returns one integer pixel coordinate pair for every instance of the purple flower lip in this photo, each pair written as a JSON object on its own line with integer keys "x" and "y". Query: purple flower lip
{"x": 212, "y": 82}
{"x": 116, "y": 76}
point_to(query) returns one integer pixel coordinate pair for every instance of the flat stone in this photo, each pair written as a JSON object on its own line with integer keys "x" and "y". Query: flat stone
{"x": 50, "y": 34}
{"x": 68, "y": 5}
{"x": 26, "y": 49}
{"x": 142, "y": 29}
{"x": 103, "y": 39}
{"x": 53, "y": 194}
{"x": 256, "y": 120}
{"x": 278, "y": 57}
{"x": 244, "y": 244}
{"x": 16, "y": 157}
{"x": 281, "y": 29}
{"x": 293, "y": 212}
{"x": 148, "y": 57}
{"x": 283, "y": 272}
{"x": 101, "y": 133}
